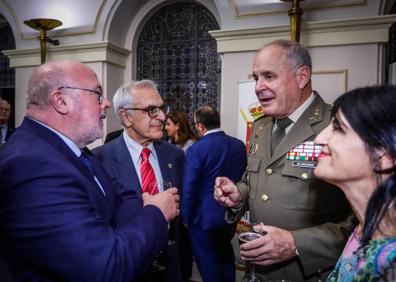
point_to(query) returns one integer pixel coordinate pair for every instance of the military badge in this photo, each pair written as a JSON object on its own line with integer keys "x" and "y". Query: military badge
{"x": 305, "y": 154}
{"x": 253, "y": 148}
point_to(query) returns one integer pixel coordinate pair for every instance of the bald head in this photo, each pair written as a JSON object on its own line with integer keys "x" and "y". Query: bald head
{"x": 67, "y": 96}
{"x": 49, "y": 77}
{"x": 282, "y": 71}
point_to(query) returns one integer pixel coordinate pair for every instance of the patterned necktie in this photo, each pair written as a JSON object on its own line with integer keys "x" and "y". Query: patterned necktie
{"x": 279, "y": 133}
{"x": 147, "y": 173}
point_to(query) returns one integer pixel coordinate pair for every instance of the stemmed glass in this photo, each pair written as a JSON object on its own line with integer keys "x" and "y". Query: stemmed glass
{"x": 161, "y": 186}
{"x": 245, "y": 237}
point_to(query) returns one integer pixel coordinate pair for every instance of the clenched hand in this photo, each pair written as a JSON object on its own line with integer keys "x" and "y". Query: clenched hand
{"x": 226, "y": 193}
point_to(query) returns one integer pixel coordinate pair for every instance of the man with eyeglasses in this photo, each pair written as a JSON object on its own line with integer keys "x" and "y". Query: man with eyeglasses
{"x": 61, "y": 218}
{"x": 142, "y": 113}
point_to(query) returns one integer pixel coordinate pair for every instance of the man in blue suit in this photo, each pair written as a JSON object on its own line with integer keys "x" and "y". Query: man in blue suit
{"x": 140, "y": 109}
{"x": 61, "y": 219}
{"x": 214, "y": 154}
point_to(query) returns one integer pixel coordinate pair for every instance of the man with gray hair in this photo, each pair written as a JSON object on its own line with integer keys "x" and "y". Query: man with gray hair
{"x": 303, "y": 219}
{"x": 138, "y": 159}
{"x": 61, "y": 219}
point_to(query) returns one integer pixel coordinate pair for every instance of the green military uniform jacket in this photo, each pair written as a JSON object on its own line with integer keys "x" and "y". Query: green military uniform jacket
{"x": 285, "y": 193}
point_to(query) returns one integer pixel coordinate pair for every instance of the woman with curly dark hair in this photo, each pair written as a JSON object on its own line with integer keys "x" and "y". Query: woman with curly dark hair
{"x": 359, "y": 156}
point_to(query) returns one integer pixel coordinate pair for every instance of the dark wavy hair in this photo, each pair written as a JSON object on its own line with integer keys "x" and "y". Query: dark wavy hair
{"x": 184, "y": 132}
{"x": 371, "y": 112}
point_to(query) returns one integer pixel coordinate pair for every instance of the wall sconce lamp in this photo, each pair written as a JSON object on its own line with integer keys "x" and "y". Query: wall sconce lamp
{"x": 42, "y": 25}
{"x": 295, "y": 13}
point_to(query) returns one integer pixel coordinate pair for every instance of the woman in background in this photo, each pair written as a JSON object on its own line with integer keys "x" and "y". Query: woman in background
{"x": 359, "y": 156}
{"x": 179, "y": 130}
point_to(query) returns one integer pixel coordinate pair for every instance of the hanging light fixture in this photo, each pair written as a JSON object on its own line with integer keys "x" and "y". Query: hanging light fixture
{"x": 295, "y": 13}
{"x": 42, "y": 25}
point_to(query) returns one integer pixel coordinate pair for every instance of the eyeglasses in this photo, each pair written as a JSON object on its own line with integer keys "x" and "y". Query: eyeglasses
{"x": 98, "y": 91}
{"x": 152, "y": 111}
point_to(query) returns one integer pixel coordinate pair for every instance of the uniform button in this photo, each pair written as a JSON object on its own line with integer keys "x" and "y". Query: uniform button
{"x": 268, "y": 171}
{"x": 304, "y": 175}
{"x": 264, "y": 197}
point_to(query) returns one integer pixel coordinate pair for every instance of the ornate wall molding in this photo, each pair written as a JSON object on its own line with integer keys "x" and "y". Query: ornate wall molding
{"x": 245, "y": 9}
{"x": 86, "y": 53}
{"x": 325, "y": 33}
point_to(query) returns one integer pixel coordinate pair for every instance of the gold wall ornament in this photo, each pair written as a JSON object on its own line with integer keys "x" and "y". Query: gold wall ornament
{"x": 42, "y": 25}
{"x": 295, "y": 13}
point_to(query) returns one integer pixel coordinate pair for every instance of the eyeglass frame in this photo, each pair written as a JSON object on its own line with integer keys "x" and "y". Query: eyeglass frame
{"x": 98, "y": 92}
{"x": 149, "y": 110}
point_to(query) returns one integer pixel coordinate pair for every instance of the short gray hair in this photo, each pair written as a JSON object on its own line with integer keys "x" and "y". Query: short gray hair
{"x": 123, "y": 97}
{"x": 296, "y": 53}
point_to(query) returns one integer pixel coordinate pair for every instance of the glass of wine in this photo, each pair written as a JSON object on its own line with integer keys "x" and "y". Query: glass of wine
{"x": 160, "y": 185}
{"x": 245, "y": 237}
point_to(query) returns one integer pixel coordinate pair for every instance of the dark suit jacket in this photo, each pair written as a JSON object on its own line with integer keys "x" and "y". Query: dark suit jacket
{"x": 286, "y": 193}
{"x": 56, "y": 224}
{"x": 213, "y": 155}
{"x": 10, "y": 130}
{"x": 118, "y": 164}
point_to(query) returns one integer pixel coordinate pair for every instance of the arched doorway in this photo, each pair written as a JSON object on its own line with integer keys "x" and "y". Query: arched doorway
{"x": 176, "y": 51}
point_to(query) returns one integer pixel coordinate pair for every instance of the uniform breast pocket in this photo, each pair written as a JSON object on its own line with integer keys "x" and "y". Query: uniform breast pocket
{"x": 299, "y": 186}
{"x": 253, "y": 175}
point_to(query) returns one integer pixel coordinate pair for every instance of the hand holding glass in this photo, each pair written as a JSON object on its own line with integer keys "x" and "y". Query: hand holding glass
{"x": 245, "y": 237}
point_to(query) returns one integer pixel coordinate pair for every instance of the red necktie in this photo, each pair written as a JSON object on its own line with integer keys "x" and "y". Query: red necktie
{"x": 147, "y": 173}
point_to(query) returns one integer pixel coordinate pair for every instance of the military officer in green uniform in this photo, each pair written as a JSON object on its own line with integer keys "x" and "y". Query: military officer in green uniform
{"x": 306, "y": 221}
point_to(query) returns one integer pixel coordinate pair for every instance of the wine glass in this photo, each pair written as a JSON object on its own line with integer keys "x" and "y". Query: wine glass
{"x": 160, "y": 185}
{"x": 245, "y": 237}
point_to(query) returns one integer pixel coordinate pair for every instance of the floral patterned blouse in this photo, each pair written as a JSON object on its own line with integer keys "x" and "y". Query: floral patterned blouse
{"x": 374, "y": 262}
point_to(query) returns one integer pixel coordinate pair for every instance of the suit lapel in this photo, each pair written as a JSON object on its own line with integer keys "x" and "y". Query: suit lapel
{"x": 106, "y": 208}
{"x": 124, "y": 167}
{"x": 302, "y": 129}
{"x": 260, "y": 140}
{"x": 98, "y": 200}
{"x": 164, "y": 162}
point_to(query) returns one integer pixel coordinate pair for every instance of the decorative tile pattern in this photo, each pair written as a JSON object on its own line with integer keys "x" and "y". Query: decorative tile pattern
{"x": 7, "y": 74}
{"x": 177, "y": 52}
